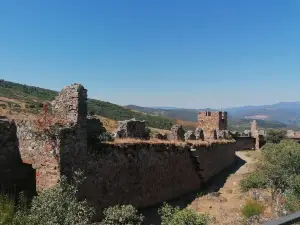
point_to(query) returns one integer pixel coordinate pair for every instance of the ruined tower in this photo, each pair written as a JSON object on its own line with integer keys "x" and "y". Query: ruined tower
{"x": 209, "y": 122}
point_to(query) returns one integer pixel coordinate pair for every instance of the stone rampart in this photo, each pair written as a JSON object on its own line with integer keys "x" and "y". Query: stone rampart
{"x": 245, "y": 143}
{"x": 145, "y": 174}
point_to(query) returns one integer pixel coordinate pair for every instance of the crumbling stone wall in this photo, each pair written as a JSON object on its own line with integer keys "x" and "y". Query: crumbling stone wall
{"x": 131, "y": 129}
{"x": 209, "y": 121}
{"x": 14, "y": 174}
{"x": 41, "y": 150}
{"x": 245, "y": 143}
{"x": 144, "y": 174}
{"x": 177, "y": 133}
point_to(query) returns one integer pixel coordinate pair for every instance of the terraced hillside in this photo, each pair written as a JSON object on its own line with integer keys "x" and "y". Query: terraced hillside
{"x": 24, "y": 98}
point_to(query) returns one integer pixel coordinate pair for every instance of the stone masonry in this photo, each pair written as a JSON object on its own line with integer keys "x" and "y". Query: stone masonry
{"x": 177, "y": 133}
{"x": 131, "y": 129}
{"x": 210, "y": 121}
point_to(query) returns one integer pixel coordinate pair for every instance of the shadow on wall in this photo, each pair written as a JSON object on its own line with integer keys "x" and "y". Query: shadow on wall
{"x": 15, "y": 176}
{"x": 213, "y": 185}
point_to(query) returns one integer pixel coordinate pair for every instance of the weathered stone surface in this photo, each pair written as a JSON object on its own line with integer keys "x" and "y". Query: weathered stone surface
{"x": 210, "y": 121}
{"x": 246, "y": 133}
{"x": 189, "y": 135}
{"x": 131, "y": 129}
{"x": 222, "y": 134}
{"x": 71, "y": 104}
{"x": 199, "y": 134}
{"x": 14, "y": 174}
{"x": 146, "y": 174}
{"x": 95, "y": 129}
{"x": 177, "y": 133}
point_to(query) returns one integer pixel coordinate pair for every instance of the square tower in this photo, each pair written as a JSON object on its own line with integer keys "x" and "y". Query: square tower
{"x": 209, "y": 121}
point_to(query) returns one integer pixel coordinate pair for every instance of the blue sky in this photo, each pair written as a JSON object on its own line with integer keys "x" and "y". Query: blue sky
{"x": 184, "y": 53}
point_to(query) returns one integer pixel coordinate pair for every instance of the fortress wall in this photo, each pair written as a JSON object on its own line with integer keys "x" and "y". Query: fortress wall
{"x": 245, "y": 143}
{"x": 145, "y": 174}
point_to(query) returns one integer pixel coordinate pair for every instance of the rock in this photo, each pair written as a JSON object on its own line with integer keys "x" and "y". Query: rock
{"x": 177, "y": 133}
{"x": 189, "y": 135}
{"x": 131, "y": 129}
{"x": 199, "y": 134}
{"x": 222, "y": 134}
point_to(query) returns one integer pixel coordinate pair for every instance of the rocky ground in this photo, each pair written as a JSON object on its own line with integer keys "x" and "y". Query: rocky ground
{"x": 225, "y": 204}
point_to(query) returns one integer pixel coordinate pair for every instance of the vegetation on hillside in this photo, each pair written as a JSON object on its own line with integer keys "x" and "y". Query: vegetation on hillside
{"x": 278, "y": 170}
{"x": 33, "y": 97}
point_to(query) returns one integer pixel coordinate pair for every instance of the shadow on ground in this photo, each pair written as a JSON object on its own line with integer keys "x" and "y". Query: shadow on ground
{"x": 213, "y": 185}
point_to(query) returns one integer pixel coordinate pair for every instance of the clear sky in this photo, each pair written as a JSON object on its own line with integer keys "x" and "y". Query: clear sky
{"x": 184, "y": 53}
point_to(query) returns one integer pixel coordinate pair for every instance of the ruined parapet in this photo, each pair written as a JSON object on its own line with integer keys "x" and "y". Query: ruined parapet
{"x": 71, "y": 104}
{"x": 177, "y": 133}
{"x": 199, "y": 134}
{"x": 246, "y": 133}
{"x": 40, "y": 149}
{"x": 189, "y": 135}
{"x": 95, "y": 129}
{"x": 254, "y": 127}
{"x": 131, "y": 129}
{"x": 222, "y": 134}
{"x": 71, "y": 107}
{"x": 9, "y": 153}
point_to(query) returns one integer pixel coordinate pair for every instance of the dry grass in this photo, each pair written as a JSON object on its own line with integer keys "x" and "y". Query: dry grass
{"x": 167, "y": 142}
{"x": 109, "y": 124}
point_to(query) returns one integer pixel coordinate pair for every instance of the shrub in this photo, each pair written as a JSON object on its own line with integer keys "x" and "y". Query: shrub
{"x": 122, "y": 215}
{"x": 253, "y": 180}
{"x": 175, "y": 216}
{"x": 10, "y": 214}
{"x": 281, "y": 164}
{"x": 6, "y": 210}
{"x": 59, "y": 206}
{"x": 105, "y": 136}
{"x": 275, "y": 136}
{"x": 252, "y": 208}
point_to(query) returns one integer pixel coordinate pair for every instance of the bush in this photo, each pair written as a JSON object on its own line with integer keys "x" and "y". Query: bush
{"x": 6, "y": 210}
{"x": 252, "y": 208}
{"x": 59, "y": 206}
{"x": 105, "y": 136}
{"x": 10, "y": 214}
{"x": 281, "y": 164}
{"x": 122, "y": 215}
{"x": 175, "y": 216}
{"x": 275, "y": 136}
{"x": 254, "y": 180}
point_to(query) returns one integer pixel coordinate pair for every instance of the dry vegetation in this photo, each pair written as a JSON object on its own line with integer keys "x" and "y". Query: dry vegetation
{"x": 168, "y": 142}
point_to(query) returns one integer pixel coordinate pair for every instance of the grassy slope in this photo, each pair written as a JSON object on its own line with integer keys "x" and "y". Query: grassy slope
{"x": 34, "y": 96}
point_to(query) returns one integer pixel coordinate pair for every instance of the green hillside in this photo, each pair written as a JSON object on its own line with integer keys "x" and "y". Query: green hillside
{"x": 34, "y": 96}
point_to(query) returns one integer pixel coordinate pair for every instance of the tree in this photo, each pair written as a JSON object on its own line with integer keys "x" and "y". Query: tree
{"x": 275, "y": 136}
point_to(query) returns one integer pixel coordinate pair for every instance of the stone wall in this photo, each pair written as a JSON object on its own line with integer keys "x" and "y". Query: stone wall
{"x": 131, "y": 129}
{"x": 245, "y": 143}
{"x": 145, "y": 174}
{"x": 41, "y": 150}
{"x": 210, "y": 121}
{"x": 14, "y": 174}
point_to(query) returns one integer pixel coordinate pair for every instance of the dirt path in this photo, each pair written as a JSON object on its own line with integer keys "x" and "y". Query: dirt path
{"x": 225, "y": 205}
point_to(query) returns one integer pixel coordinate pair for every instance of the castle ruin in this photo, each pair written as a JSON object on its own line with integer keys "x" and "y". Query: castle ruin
{"x": 211, "y": 122}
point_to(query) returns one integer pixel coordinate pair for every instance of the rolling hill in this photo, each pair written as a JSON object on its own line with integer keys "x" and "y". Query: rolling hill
{"x": 277, "y": 116}
{"x": 21, "y": 97}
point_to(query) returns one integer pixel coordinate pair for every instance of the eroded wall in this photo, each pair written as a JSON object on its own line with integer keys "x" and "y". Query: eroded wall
{"x": 146, "y": 174}
{"x": 15, "y": 176}
{"x": 245, "y": 143}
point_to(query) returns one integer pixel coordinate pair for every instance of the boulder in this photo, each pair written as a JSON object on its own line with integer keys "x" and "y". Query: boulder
{"x": 177, "y": 133}
{"x": 189, "y": 135}
{"x": 199, "y": 134}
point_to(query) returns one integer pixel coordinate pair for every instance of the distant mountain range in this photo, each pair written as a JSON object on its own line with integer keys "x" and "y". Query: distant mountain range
{"x": 279, "y": 115}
